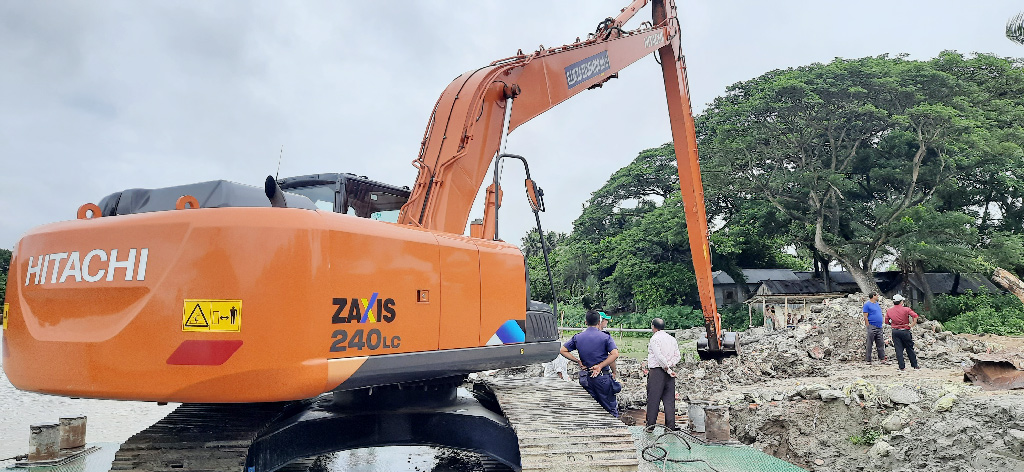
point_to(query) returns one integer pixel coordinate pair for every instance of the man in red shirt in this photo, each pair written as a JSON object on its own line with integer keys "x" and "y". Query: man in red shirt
{"x": 902, "y": 319}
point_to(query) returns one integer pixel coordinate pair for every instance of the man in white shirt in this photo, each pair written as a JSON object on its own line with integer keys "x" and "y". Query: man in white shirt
{"x": 662, "y": 356}
{"x": 558, "y": 368}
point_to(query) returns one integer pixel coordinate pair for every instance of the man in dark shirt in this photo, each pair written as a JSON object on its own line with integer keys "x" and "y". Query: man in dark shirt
{"x": 902, "y": 319}
{"x": 873, "y": 323}
{"x": 596, "y": 351}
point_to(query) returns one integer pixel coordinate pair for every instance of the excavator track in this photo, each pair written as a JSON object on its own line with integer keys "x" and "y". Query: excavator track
{"x": 554, "y": 425}
{"x": 561, "y": 428}
{"x": 199, "y": 437}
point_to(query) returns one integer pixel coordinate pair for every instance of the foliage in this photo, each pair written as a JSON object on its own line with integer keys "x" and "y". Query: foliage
{"x": 735, "y": 317}
{"x": 990, "y": 320}
{"x": 630, "y": 251}
{"x": 572, "y": 316}
{"x": 845, "y": 150}
{"x": 947, "y": 307}
{"x": 676, "y": 317}
{"x": 5, "y": 267}
{"x": 1001, "y": 314}
{"x": 855, "y": 161}
{"x": 867, "y": 437}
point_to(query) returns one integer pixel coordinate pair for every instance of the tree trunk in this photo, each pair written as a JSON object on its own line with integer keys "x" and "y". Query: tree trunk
{"x": 929, "y": 296}
{"x": 1010, "y": 282}
{"x": 828, "y": 273}
{"x": 956, "y": 284}
{"x": 817, "y": 262}
{"x": 864, "y": 278}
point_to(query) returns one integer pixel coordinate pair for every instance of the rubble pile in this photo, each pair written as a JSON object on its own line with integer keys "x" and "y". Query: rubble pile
{"x": 834, "y": 333}
{"x": 804, "y": 394}
{"x": 901, "y": 426}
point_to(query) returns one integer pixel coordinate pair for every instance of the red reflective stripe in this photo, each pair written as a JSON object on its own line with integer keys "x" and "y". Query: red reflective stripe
{"x": 197, "y": 352}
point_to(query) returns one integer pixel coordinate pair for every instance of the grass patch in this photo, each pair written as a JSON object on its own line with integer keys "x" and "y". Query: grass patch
{"x": 867, "y": 437}
{"x": 636, "y": 348}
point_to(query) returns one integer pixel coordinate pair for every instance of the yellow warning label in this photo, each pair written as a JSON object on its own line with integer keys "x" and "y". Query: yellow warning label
{"x": 212, "y": 315}
{"x": 3, "y": 317}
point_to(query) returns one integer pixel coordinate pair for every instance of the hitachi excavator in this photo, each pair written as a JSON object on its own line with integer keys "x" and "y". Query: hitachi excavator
{"x": 219, "y": 292}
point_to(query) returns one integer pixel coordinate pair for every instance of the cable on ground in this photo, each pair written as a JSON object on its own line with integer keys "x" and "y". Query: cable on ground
{"x": 655, "y": 452}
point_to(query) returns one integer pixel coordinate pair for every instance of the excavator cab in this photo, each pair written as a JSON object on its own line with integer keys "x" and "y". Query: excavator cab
{"x": 349, "y": 194}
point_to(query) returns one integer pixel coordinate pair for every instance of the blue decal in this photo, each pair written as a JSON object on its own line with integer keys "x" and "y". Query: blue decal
{"x": 510, "y": 333}
{"x": 369, "y": 307}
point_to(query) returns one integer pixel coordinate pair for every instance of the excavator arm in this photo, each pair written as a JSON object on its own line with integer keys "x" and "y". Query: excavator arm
{"x": 468, "y": 124}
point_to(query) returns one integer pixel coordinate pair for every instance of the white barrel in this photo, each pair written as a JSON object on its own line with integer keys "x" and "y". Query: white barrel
{"x": 695, "y": 413}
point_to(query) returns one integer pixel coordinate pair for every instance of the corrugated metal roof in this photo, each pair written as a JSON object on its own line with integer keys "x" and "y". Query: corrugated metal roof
{"x": 942, "y": 282}
{"x": 781, "y": 287}
{"x": 754, "y": 276}
{"x": 837, "y": 276}
{"x": 720, "y": 277}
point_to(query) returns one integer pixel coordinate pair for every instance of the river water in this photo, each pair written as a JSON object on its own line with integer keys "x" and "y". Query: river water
{"x": 111, "y": 422}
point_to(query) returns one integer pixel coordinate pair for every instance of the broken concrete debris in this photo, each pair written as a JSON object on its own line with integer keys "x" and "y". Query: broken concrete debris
{"x": 803, "y": 393}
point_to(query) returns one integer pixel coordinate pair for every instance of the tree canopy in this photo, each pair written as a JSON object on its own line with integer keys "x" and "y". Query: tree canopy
{"x": 856, "y": 161}
{"x": 850, "y": 152}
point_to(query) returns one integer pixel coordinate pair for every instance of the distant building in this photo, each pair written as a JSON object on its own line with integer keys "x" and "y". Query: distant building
{"x": 942, "y": 283}
{"x": 729, "y": 292}
{"x": 786, "y": 282}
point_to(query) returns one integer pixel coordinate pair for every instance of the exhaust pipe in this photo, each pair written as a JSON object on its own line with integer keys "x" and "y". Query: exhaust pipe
{"x": 274, "y": 193}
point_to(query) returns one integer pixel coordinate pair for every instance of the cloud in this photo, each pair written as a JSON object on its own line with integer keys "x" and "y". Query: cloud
{"x": 102, "y": 96}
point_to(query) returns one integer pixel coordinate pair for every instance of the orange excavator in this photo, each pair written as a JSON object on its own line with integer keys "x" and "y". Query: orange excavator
{"x": 218, "y": 292}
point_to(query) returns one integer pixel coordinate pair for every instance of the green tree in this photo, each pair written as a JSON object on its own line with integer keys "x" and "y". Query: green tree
{"x": 629, "y": 249}
{"x": 845, "y": 150}
{"x": 5, "y": 267}
{"x": 926, "y": 239}
{"x": 630, "y": 193}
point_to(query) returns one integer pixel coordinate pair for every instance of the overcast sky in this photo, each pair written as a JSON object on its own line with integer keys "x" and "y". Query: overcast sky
{"x": 101, "y": 96}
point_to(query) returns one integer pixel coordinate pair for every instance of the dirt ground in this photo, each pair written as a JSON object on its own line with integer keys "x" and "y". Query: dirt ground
{"x": 805, "y": 394}
{"x": 1003, "y": 342}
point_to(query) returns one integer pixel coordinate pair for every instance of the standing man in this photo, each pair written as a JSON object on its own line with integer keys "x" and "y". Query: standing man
{"x": 873, "y": 323}
{"x": 605, "y": 319}
{"x": 902, "y": 318}
{"x": 662, "y": 356}
{"x": 596, "y": 351}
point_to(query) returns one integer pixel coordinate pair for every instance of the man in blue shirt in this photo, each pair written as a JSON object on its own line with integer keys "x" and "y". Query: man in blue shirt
{"x": 873, "y": 322}
{"x": 596, "y": 351}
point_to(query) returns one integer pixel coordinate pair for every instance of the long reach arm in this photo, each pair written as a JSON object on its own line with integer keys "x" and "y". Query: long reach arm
{"x": 466, "y": 127}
